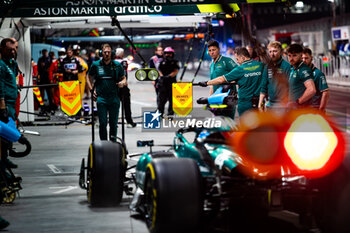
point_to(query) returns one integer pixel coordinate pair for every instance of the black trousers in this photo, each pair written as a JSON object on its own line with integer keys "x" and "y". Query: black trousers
{"x": 48, "y": 90}
{"x": 165, "y": 95}
{"x": 5, "y": 146}
{"x": 125, "y": 97}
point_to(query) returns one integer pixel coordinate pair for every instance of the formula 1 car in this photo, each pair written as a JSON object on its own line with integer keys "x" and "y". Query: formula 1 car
{"x": 286, "y": 161}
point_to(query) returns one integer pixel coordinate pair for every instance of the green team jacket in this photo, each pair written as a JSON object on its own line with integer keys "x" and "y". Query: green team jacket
{"x": 320, "y": 84}
{"x": 248, "y": 76}
{"x": 222, "y": 66}
{"x": 8, "y": 86}
{"x": 270, "y": 84}
{"x": 106, "y": 77}
{"x": 298, "y": 76}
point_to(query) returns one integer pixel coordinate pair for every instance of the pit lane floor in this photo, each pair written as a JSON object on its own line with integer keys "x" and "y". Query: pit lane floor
{"x": 51, "y": 200}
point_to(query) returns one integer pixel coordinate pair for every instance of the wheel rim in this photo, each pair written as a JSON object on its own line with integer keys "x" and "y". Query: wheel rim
{"x": 88, "y": 175}
{"x": 149, "y": 204}
{"x": 9, "y": 196}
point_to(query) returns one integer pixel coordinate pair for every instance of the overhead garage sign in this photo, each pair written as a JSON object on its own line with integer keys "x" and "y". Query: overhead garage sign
{"x": 120, "y": 10}
{"x": 56, "y": 8}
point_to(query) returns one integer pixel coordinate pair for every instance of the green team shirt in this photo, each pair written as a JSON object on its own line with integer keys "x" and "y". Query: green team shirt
{"x": 8, "y": 85}
{"x": 248, "y": 77}
{"x": 298, "y": 76}
{"x": 106, "y": 77}
{"x": 270, "y": 84}
{"x": 320, "y": 84}
{"x": 222, "y": 66}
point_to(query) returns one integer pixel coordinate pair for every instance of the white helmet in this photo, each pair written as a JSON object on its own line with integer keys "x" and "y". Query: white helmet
{"x": 119, "y": 52}
{"x": 76, "y": 47}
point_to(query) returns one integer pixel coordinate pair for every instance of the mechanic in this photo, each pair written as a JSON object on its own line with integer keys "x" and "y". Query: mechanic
{"x": 44, "y": 63}
{"x": 301, "y": 84}
{"x": 81, "y": 75}
{"x": 55, "y": 77}
{"x": 52, "y": 56}
{"x": 252, "y": 52}
{"x": 275, "y": 78}
{"x": 168, "y": 70}
{"x": 157, "y": 58}
{"x": 220, "y": 65}
{"x": 8, "y": 90}
{"x": 320, "y": 99}
{"x": 19, "y": 81}
{"x": 110, "y": 77}
{"x": 154, "y": 63}
{"x": 124, "y": 93}
{"x": 8, "y": 97}
{"x": 70, "y": 66}
{"x": 248, "y": 77}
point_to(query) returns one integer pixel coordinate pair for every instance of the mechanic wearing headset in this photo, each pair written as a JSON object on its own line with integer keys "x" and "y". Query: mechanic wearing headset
{"x": 109, "y": 76}
{"x": 220, "y": 65}
{"x": 168, "y": 70}
{"x": 248, "y": 77}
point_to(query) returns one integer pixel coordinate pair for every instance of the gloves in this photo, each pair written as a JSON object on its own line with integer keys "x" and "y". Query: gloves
{"x": 4, "y": 115}
{"x": 203, "y": 84}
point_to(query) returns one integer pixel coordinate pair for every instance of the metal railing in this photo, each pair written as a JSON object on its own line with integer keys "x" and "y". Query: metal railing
{"x": 336, "y": 68}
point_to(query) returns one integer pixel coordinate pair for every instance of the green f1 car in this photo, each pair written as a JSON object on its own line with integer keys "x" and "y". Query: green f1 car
{"x": 293, "y": 161}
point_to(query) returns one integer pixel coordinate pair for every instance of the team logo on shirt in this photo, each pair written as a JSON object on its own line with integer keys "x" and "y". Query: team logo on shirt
{"x": 70, "y": 66}
{"x": 252, "y": 74}
{"x": 10, "y": 71}
{"x": 306, "y": 74}
{"x": 270, "y": 73}
{"x": 251, "y": 68}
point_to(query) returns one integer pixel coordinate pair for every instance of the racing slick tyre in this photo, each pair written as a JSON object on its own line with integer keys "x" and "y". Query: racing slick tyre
{"x": 332, "y": 210}
{"x": 106, "y": 171}
{"x": 173, "y": 200}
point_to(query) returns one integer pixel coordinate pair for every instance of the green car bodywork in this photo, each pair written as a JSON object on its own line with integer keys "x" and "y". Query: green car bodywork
{"x": 222, "y": 155}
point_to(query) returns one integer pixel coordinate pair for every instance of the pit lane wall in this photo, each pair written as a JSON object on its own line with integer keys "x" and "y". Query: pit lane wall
{"x": 13, "y": 27}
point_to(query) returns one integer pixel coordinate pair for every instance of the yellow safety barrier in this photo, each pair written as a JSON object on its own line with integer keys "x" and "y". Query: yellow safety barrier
{"x": 182, "y": 98}
{"x": 37, "y": 94}
{"x": 70, "y": 97}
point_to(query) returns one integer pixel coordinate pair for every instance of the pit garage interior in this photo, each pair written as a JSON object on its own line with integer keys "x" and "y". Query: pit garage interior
{"x": 51, "y": 200}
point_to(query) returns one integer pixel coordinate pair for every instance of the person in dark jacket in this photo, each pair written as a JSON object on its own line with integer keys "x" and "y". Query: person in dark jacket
{"x": 168, "y": 70}
{"x": 71, "y": 66}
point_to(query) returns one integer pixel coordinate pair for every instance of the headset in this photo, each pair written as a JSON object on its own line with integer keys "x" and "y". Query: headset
{"x": 112, "y": 51}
